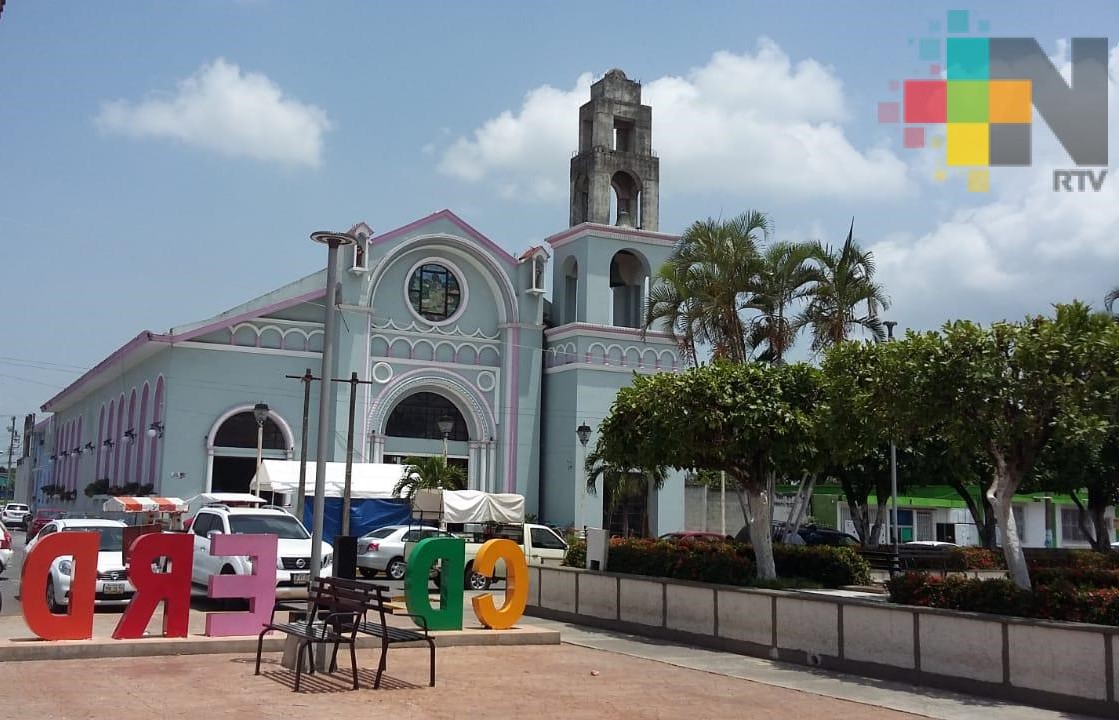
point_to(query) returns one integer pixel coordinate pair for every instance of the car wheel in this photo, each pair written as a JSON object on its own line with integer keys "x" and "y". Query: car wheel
{"x": 367, "y": 573}
{"x": 396, "y": 569}
{"x": 52, "y": 604}
{"x": 476, "y": 581}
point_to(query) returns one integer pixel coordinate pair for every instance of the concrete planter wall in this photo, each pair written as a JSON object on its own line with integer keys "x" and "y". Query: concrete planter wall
{"x": 1065, "y": 666}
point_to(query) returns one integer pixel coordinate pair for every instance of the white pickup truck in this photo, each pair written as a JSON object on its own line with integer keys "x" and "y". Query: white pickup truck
{"x": 541, "y": 545}
{"x": 486, "y": 516}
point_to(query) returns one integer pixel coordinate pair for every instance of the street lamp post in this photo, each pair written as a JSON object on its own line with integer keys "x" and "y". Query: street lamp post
{"x": 893, "y": 472}
{"x": 260, "y": 412}
{"x": 333, "y": 241}
{"x": 584, "y": 434}
{"x": 446, "y": 424}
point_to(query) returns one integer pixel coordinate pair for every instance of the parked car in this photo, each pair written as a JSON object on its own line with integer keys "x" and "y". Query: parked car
{"x": 382, "y": 550}
{"x": 113, "y": 586}
{"x": 696, "y": 535}
{"x": 15, "y": 514}
{"x": 5, "y": 548}
{"x": 809, "y": 535}
{"x": 293, "y": 563}
{"x": 41, "y": 517}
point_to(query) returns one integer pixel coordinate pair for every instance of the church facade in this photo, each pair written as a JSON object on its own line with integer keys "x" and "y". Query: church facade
{"x": 463, "y": 349}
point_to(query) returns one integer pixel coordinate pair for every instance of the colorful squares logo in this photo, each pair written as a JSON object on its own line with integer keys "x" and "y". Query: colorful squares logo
{"x": 925, "y": 101}
{"x": 967, "y": 101}
{"x": 1010, "y": 101}
{"x": 968, "y": 58}
{"x": 968, "y": 144}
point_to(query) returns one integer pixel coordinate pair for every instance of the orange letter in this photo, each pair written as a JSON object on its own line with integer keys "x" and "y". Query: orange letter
{"x": 172, "y": 587}
{"x": 77, "y": 622}
{"x": 516, "y": 584}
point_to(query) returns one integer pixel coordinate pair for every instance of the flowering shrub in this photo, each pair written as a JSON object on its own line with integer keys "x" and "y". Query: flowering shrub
{"x": 727, "y": 563}
{"x": 1058, "y": 600}
{"x": 975, "y": 558}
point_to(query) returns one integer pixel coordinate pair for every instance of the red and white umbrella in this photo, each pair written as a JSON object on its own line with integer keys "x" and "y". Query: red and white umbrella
{"x": 128, "y": 504}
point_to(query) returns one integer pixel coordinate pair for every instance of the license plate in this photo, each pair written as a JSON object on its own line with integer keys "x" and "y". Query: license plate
{"x": 299, "y": 578}
{"x": 113, "y": 588}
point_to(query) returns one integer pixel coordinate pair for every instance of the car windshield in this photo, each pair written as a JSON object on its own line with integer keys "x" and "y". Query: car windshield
{"x": 285, "y": 526}
{"x": 112, "y": 537}
{"x": 381, "y": 533}
{"x": 13, "y": 506}
{"x": 48, "y": 514}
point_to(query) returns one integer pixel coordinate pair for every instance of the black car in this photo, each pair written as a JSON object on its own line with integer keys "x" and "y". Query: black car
{"x": 810, "y": 534}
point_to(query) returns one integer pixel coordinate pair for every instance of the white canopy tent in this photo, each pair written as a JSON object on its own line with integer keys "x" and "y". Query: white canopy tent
{"x": 469, "y": 506}
{"x": 367, "y": 481}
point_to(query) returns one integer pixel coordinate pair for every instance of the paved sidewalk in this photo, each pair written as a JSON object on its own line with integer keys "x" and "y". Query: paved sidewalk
{"x": 922, "y": 701}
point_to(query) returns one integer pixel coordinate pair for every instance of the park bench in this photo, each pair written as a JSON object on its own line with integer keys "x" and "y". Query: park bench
{"x": 373, "y": 622}
{"x": 878, "y": 559}
{"x": 334, "y": 614}
{"x": 927, "y": 558}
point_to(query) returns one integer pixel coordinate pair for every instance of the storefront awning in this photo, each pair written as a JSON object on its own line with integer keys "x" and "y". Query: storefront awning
{"x": 129, "y": 504}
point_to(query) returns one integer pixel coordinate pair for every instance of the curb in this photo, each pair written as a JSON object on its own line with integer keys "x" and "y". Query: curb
{"x": 34, "y": 650}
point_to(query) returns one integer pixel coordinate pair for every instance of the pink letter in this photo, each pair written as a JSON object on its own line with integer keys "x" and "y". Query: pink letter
{"x": 259, "y": 587}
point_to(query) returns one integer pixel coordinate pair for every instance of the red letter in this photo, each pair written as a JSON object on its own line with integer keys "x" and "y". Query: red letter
{"x": 77, "y": 623}
{"x": 172, "y": 587}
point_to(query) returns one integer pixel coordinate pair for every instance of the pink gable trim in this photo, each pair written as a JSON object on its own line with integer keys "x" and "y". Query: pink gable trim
{"x": 569, "y": 234}
{"x": 249, "y": 315}
{"x": 456, "y": 220}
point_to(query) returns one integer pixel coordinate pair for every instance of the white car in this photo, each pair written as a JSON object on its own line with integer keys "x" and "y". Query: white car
{"x": 293, "y": 555}
{"x": 113, "y": 587}
{"x": 5, "y": 548}
{"x": 382, "y": 550}
{"x": 15, "y": 514}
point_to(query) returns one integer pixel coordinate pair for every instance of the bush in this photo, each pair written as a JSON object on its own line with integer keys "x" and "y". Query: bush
{"x": 975, "y": 558}
{"x": 1077, "y": 577}
{"x": 828, "y": 565}
{"x": 576, "y": 555}
{"x": 729, "y": 563}
{"x": 1059, "y": 600}
{"x": 1070, "y": 559}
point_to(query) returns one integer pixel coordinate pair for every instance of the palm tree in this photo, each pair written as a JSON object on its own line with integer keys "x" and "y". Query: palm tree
{"x": 427, "y": 473}
{"x": 700, "y": 292}
{"x": 786, "y": 276}
{"x": 1110, "y": 299}
{"x": 845, "y": 284}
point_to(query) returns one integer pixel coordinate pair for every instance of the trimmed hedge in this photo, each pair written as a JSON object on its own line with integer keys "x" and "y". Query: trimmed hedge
{"x": 1060, "y": 600}
{"x": 727, "y": 563}
{"x": 975, "y": 558}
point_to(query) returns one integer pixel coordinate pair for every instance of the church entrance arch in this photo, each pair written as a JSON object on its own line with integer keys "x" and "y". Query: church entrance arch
{"x": 415, "y": 428}
{"x": 232, "y": 448}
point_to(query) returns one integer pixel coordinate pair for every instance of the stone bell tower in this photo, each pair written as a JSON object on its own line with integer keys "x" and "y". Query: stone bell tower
{"x": 615, "y": 165}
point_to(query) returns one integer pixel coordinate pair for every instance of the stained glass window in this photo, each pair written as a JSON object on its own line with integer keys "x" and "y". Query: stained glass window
{"x": 434, "y": 292}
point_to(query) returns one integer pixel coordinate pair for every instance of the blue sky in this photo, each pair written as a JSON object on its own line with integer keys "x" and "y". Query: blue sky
{"x": 117, "y": 216}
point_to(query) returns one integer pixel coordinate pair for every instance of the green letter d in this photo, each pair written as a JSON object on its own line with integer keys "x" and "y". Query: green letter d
{"x": 452, "y": 551}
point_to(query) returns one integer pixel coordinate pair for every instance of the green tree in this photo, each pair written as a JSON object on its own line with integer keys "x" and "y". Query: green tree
{"x": 785, "y": 277}
{"x": 428, "y": 473}
{"x": 1008, "y": 387}
{"x": 845, "y": 296}
{"x": 754, "y": 421}
{"x": 698, "y": 295}
{"x": 1111, "y": 298}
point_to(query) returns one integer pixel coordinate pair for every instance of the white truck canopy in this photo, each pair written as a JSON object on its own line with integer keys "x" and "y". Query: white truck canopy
{"x": 367, "y": 480}
{"x": 469, "y": 506}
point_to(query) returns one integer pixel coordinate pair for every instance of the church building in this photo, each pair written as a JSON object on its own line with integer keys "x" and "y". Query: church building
{"x": 466, "y": 353}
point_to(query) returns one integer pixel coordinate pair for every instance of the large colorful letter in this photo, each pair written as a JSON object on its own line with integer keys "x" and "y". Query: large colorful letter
{"x": 171, "y": 587}
{"x": 77, "y": 622}
{"x": 452, "y": 551}
{"x": 516, "y": 584}
{"x": 259, "y": 587}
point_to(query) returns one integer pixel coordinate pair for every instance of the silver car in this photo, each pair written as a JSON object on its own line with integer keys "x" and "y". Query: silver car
{"x": 383, "y": 549}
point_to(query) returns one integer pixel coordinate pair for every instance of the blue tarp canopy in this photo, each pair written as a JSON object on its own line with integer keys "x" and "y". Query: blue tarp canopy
{"x": 365, "y": 515}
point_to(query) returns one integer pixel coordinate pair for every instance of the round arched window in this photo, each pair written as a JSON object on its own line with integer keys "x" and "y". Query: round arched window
{"x": 434, "y": 291}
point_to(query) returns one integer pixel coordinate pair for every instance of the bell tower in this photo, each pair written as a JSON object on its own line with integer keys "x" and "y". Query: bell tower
{"x": 615, "y": 177}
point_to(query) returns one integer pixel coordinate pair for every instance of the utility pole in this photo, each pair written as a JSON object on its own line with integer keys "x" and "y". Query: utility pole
{"x": 353, "y": 382}
{"x": 306, "y": 378}
{"x": 11, "y": 450}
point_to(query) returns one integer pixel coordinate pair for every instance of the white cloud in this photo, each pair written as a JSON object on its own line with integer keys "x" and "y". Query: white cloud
{"x": 234, "y": 113}
{"x": 1015, "y": 253}
{"x": 747, "y": 124}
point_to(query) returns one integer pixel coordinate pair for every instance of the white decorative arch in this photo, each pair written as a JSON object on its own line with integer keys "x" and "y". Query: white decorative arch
{"x": 285, "y": 428}
{"x": 469, "y": 400}
{"x": 492, "y": 272}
